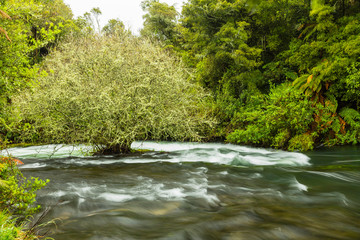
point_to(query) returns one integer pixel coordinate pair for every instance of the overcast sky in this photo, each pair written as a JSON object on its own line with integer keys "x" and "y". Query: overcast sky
{"x": 128, "y": 11}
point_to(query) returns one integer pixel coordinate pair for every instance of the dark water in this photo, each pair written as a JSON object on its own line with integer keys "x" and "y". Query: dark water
{"x": 199, "y": 191}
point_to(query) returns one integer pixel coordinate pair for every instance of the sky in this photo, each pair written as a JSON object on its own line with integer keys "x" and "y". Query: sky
{"x": 128, "y": 11}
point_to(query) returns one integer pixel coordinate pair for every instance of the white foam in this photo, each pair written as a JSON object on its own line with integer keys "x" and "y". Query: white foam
{"x": 175, "y": 152}
{"x": 32, "y": 165}
{"x": 48, "y": 151}
{"x": 299, "y": 185}
{"x": 152, "y": 190}
{"x": 115, "y": 197}
{"x": 58, "y": 193}
{"x": 223, "y": 154}
{"x": 147, "y": 188}
{"x": 85, "y": 162}
{"x": 172, "y": 194}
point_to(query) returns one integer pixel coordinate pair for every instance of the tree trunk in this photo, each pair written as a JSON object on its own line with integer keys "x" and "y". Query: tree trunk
{"x": 116, "y": 149}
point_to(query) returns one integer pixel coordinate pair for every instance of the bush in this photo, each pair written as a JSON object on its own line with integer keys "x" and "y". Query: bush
{"x": 291, "y": 120}
{"x": 301, "y": 142}
{"x": 17, "y": 192}
{"x": 111, "y": 91}
{"x": 352, "y": 119}
{"x": 285, "y": 113}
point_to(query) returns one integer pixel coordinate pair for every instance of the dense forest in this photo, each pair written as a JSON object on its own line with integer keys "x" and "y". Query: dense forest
{"x": 283, "y": 73}
{"x": 272, "y": 73}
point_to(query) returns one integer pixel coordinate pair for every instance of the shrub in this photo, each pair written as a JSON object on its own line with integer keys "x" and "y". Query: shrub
{"x": 301, "y": 142}
{"x": 290, "y": 119}
{"x": 285, "y": 114}
{"x": 352, "y": 118}
{"x": 110, "y": 91}
{"x": 17, "y": 192}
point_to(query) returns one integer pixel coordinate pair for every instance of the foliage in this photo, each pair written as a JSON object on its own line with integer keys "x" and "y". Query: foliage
{"x": 93, "y": 19}
{"x": 283, "y": 114}
{"x": 114, "y": 26}
{"x": 216, "y": 38}
{"x": 352, "y": 118}
{"x": 17, "y": 192}
{"x": 248, "y": 53}
{"x": 288, "y": 119}
{"x": 159, "y": 21}
{"x": 328, "y": 63}
{"x": 36, "y": 26}
{"x": 282, "y": 73}
{"x": 8, "y": 229}
{"x": 225, "y": 39}
{"x": 111, "y": 91}
{"x": 274, "y": 24}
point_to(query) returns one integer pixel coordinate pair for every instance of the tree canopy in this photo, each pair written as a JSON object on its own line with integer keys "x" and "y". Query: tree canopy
{"x": 159, "y": 21}
{"x": 248, "y": 52}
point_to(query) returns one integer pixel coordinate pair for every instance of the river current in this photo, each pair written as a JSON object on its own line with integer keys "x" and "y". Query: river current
{"x": 197, "y": 191}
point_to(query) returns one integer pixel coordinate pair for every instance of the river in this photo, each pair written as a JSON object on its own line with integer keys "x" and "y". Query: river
{"x": 198, "y": 191}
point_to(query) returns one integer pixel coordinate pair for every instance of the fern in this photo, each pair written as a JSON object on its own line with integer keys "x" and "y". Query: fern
{"x": 310, "y": 85}
{"x": 352, "y": 118}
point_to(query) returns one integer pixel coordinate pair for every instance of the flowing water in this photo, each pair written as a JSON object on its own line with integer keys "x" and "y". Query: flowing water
{"x": 198, "y": 191}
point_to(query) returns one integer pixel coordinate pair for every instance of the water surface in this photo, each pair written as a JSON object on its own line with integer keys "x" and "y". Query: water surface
{"x": 198, "y": 191}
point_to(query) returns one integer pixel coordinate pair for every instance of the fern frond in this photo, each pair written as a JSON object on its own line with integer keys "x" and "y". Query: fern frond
{"x": 351, "y": 116}
{"x": 300, "y": 81}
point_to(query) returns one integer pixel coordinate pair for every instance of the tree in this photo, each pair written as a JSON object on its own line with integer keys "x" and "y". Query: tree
{"x": 93, "y": 19}
{"x": 160, "y": 21}
{"x": 114, "y": 26}
{"x": 274, "y": 23}
{"x": 321, "y": 105}
{"x": 216, "y": 44}
{"x": 111, "y": 91}
{"x": 241, "y": 49}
